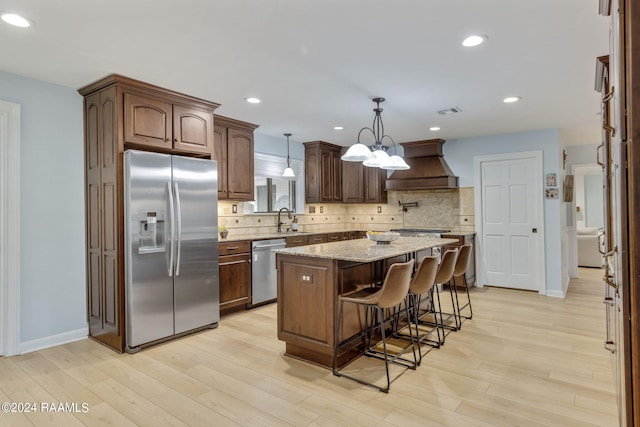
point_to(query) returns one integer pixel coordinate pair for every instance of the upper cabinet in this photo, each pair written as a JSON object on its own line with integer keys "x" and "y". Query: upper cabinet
{"x": 233, "y": 150}
{"x": 323, "y": 172}
{"x": 156, "y": 123}
{"x": 362, "y": 184}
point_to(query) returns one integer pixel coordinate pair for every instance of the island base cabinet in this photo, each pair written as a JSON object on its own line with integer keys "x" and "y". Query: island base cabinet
{"x": 308, "y": 290}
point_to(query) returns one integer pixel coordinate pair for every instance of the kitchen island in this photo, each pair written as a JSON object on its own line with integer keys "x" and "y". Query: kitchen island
{"x": 310, "y": 280}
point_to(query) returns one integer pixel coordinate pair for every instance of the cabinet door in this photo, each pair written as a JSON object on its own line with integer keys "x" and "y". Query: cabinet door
{"x": 326, "y": 176}
{"x": 336, "y": 176}
{"x": 353, "y": 182}
{"x": 374, "y": 179}
{"x": 312, "y": 175}
{"x": 235, "y": 280}
{"x": 220, "y": 155}
{"x": 147, "y": 121}
{"x": 240, "y": 164}
{"x": 192, "y": 130}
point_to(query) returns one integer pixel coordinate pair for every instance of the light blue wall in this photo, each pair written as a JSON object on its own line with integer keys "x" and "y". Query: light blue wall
{"x": 460, "y": 153}
{"x": 53, "y": 290}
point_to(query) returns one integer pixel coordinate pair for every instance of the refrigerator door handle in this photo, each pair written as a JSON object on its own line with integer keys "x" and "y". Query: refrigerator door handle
{"x": 179, "y": 227}
{"x": 171, "y": 229}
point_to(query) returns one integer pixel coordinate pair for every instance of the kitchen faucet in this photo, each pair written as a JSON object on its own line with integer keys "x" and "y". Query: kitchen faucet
{"x": 280, "y": 222}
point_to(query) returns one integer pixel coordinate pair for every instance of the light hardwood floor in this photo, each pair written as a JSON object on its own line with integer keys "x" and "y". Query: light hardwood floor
{"x": 523, "y": 359}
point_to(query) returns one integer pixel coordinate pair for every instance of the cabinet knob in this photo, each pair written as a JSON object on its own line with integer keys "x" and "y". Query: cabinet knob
{"x": 168, "y": 139}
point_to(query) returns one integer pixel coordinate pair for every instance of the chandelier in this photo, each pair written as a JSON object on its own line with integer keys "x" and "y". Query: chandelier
{"x": 376, "y": 154}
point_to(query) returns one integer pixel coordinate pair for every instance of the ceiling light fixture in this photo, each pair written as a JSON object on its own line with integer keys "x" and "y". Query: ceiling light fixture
{"x": 474, "y": 40}
{"x": 253, "y": 100}
{"x": 15, "y": 19}
{"x": 376, "y": 154}
{"x": 510, "y": 99}
{"x": 434, "y": 128}
{"x": 288, "y": 172}
{"x": 338, "y": 128}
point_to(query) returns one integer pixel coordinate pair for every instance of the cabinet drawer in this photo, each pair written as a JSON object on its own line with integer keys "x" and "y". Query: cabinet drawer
{"x": 230, "y": 248}
{"x": 317, "y": 238}
{"x": 297, "y": 241}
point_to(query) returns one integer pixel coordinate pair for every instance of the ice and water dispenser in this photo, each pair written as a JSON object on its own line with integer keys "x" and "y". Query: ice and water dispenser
{"x": 151, "y": 232}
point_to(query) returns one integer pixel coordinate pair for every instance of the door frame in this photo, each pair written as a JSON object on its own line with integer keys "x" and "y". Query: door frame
{"x": 9, "y": 228}
{"x": 481, "y": 275}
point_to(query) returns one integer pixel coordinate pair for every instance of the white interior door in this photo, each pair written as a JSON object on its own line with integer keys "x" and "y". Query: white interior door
{"x": 511, "y": 220}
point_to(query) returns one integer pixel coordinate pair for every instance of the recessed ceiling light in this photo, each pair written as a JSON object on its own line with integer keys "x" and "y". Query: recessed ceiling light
{"x": 510, "y": 99}
{"x": 253, "y": 100}
{"x": 434, "y": 128}
{"x": 15, "y": 20}
{"x": 338, "y": 128}
{"x": 474, "y": 40}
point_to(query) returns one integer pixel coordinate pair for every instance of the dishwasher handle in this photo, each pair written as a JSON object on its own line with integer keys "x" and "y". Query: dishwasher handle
{"x": 277, "y": 245}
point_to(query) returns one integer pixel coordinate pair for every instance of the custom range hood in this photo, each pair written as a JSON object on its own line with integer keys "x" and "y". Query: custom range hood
{"x": 428, "y": 169}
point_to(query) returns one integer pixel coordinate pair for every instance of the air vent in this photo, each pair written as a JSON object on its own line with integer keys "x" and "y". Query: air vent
{"x": 452, "y": 110}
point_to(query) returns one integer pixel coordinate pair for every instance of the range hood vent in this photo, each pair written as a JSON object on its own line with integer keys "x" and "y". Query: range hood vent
{"x": 428, "y": 168}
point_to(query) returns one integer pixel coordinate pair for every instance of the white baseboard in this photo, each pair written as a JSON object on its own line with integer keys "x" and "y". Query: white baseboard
{"x": 556, "y": 294}
{"x": 53, "y": 340}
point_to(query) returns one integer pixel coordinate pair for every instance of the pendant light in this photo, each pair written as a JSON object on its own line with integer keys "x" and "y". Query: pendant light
{"x": 375, "y": 155}
{"x": 288, "y": 172}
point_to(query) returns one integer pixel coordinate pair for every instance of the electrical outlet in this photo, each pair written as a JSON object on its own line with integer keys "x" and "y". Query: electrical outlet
{"x": 307, "y": 278}
{"x": 379, "y": 209}
{"x": 312, "y": 209}
{"x": 321, "y": 209}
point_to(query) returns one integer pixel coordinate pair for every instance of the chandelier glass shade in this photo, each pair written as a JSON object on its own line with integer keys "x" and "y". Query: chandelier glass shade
{"x": 288, "y": 172}
{"x": 376, "y": 154}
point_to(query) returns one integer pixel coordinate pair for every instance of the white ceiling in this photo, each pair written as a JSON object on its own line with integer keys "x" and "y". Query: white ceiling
{"x": 317, "y": 64}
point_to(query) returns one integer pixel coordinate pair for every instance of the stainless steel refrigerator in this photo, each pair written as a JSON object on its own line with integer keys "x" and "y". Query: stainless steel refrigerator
{"x": 171, "y": 246}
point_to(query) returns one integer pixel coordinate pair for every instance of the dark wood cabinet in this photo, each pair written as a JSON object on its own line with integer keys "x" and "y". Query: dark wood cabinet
{"x": 235, "y": 275}
{"x": 166, "y": 126}
{"x": 233, "y": 150}
{"x": 374, "y": 185}
{"x": 121, "y": 113}
{"x": 362, "y": 184}
{"x": 323, "y": 172}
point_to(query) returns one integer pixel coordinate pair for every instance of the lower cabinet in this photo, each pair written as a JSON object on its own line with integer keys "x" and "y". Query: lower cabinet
{"x": 235, "y": 275}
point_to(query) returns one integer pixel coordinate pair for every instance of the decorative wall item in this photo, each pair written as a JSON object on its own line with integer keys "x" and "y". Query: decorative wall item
{"x": 551, "y": 193}
{"x": 564, "y": 159}
{"x": 551, "y": 180}
{"x": 568, "y": 188}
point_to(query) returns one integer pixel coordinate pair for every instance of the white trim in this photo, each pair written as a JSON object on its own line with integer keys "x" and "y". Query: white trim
{"x": 481, "y": 275}
{"x": 557, "y": 294}
{"x": 9, "y": 228}
{"x": 53, "y": 340}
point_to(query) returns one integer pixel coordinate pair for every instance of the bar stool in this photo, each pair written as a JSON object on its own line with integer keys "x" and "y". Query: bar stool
{"x": 421, "y": 292}
{"x": 462, "y": 264}
{"x": 444, "y": 275}
{"x": 392, "y": 294}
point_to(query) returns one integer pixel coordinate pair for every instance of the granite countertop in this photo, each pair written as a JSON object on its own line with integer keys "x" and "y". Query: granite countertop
{"x": 235, "y": 237}
{"x": 365, "y": 250}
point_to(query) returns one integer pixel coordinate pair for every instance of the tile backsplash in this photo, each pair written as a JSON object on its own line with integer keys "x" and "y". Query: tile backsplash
{"x": 436, "y": 209}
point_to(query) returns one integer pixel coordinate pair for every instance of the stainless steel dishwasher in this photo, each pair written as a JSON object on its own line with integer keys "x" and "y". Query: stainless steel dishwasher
{"x": 264, "y": 279}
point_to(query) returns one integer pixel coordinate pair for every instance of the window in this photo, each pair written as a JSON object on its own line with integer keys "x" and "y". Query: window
{"x": 272, "y": 191}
